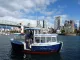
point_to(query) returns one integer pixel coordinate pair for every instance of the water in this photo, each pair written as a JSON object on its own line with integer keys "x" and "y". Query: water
{"x": 70, "y": 50}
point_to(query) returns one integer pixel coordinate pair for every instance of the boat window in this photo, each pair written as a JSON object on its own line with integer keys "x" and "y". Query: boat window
{"x": 20, "y": 37}
{"x": 48, "y": 39}
{"x": 42, "y": 39}
{"x": 35, "y": 32}
{"x": 53, "y": 39}
{"x": 37, "y": 39}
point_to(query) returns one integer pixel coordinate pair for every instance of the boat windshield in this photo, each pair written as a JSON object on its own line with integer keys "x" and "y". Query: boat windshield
{"x": 45, "y": 38}
{"x": 19, "y": 37}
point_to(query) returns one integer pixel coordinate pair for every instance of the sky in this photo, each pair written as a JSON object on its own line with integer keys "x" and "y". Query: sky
{"x": 40, "y": 9}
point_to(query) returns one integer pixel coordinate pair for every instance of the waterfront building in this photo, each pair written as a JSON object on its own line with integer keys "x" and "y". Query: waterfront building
{"x": 69, "y": 26}
{"x": 57, "y": 22}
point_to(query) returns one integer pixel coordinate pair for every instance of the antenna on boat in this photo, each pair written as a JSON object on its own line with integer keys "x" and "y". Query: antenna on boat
{"x": 36, "y": 13}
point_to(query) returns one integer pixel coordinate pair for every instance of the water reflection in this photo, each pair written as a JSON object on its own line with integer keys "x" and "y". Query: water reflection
{"x": 55, "y": 56}
{"x": 16, "y": 55}
{"x": 20, "y": 56}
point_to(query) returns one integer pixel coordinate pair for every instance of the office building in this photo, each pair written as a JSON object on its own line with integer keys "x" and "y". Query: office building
{"x": 69, "y": 26}
{"x": 57, "y": 22}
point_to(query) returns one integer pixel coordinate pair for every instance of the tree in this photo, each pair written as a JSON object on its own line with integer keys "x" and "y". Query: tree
{"x": 62, "y": 31}
{"x": 75, "y": 31}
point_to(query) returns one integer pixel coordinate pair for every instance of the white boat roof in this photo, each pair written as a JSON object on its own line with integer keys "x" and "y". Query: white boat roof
{"x": 45, "y": 35}
{"x": 32, "y": 28}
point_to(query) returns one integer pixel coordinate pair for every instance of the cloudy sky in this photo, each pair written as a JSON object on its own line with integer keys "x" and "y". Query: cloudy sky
{"x": 40, "y": 9}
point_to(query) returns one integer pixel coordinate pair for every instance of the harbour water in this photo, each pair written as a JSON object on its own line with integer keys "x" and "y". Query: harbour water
{"x": 70, "y": 50}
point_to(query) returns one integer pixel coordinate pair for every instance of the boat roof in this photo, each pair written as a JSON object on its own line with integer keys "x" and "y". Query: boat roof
{"x": 19, "y": 34}
{"x": 45, "y": 35}
{"x": 32, "y": 28}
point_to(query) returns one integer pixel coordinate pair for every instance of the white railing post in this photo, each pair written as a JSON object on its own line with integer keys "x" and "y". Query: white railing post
{"x": 34, "y": 36}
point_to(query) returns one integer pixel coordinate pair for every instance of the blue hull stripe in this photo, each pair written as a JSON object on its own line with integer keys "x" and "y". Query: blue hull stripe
{"x": 47, "y": 48}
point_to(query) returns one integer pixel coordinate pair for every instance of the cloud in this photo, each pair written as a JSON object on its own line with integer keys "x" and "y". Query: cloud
{"x": 54, "y": 11}
{"x": 5, "y": 12}
{"x": 47, "y": 13}
{"x": 22, "y": 8}
{"x": 13, "y": 20}
{"x": 43, "y": 3}
{"x": 16, "y": 10}
{"x": 41, "y": 18}
{"x": 13, "y": 7}
{"x": 50, "y": 25}
{"x": 63, "y": 18}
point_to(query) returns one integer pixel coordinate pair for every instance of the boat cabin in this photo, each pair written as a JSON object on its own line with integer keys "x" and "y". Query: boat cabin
{"x": 28, "y": 31}
{"x": 33, "y": 30}
{"x": 45, "y": 38}
{"x": 37, "y": 37}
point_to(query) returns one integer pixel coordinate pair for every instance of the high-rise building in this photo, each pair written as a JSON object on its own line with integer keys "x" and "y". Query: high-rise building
{"x": 69, "y": 26}
{"x": 57, "y": 22}
{"x": 44, "y": 24}
{"x": 38, "y": 24}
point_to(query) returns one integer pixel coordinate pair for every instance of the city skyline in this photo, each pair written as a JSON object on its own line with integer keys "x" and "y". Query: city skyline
{"x": 40, "y": 9}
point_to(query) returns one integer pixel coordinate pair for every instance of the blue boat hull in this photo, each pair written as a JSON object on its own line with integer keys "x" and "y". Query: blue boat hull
{"x": 44, "y": 49}
{"x": 17, "y": 46}
{"x": 56, "y": 48}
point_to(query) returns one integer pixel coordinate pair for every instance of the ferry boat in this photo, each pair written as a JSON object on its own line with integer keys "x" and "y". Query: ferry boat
{"x": 36, "y": 43}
